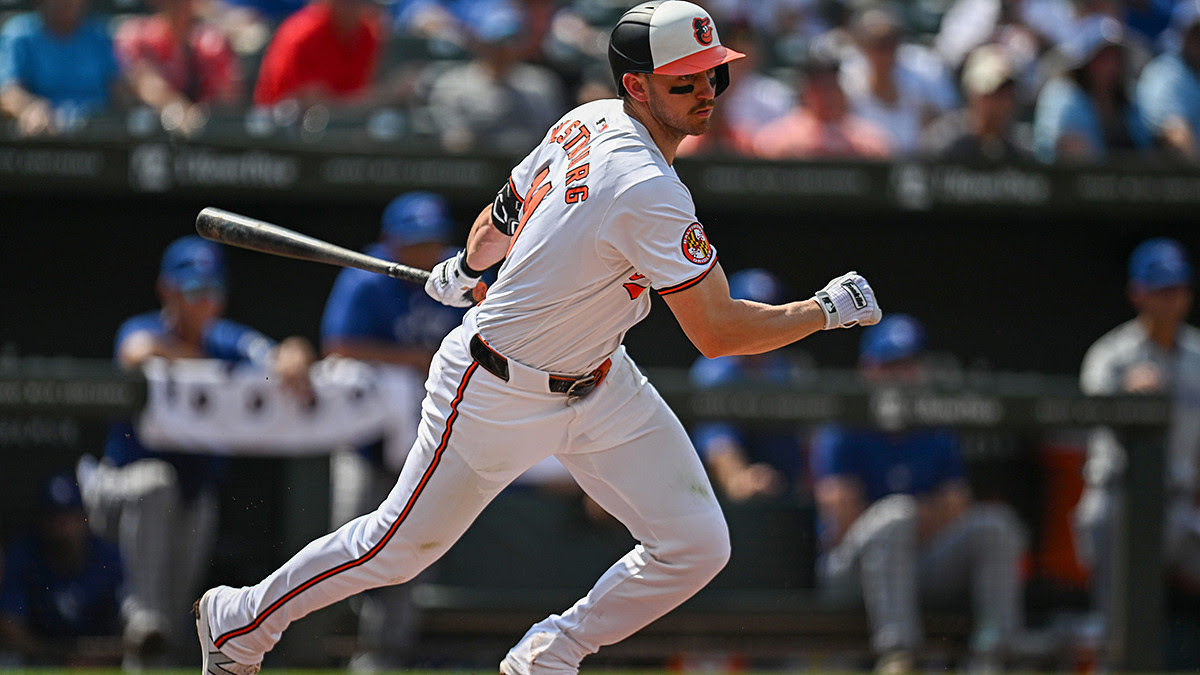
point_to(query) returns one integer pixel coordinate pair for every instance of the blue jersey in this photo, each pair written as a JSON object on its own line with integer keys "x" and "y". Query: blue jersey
{"x": 917, "y": 462}
{"x": 368, "y": 306}
{"x": 224, "y": 340}
{"x": 77, "y": 70}
{"x": 57, "y": 605}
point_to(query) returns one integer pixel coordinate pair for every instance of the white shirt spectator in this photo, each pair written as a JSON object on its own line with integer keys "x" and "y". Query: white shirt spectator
{"x": 925, "y": 90}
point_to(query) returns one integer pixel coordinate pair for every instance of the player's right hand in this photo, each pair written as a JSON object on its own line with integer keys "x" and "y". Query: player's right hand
{"x": 848, "y": 301}
{"x": 450, "y": 284}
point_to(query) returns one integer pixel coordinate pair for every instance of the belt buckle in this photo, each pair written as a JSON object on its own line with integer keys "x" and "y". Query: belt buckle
{"x": 584, "y": 385}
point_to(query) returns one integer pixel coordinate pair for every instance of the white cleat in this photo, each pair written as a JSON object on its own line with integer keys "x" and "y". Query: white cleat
{"x": 214, "y": 662}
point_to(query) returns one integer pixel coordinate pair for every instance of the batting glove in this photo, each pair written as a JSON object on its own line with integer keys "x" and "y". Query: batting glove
{"x": 848, "y": 301}
{"x": 450, "y": 284}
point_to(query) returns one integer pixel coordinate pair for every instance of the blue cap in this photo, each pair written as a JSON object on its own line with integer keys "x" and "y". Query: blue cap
{"x": 61, "y": 494}
{"x": 755, "y": 284}
{"x": 895, "y": 338}
{"x": 1160, "y": 263}
{"x": 190, "y": 263}
{"x": 417, "y": 218}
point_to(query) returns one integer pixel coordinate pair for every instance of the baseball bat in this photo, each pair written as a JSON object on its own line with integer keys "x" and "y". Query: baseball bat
{"x": 235, "y": 229}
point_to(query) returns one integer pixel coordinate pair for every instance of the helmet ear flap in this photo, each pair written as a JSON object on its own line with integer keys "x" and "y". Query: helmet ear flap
{"x": 722, "y": 79}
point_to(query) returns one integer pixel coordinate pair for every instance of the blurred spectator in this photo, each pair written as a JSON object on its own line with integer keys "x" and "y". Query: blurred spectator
{"x": 822, "y": 124}
{"x": 1168, "y": 91}
{"x": 787, "y": 28}
{"x": 898, "y": 526}
{"x": 325, "y": 54}
{"x": 59, "y": 583}
{"x": 753, "y": 100}
{"x": 984, "y": 129}
{"x": 178, "y": 65}
{"x": 397, "y": 326}
{"x": 1155, "y": 352}
{"x": 969, "y": 24}
{"x": 161, "y": 506}
{"x": 898, "y": 86}
{"x": 495, "y": 102}
{"x": 1085, "y": 112}
{"x": 748, "y": 463}
{"x": 1025, "y": 27}
{"x": 57, "y": 66}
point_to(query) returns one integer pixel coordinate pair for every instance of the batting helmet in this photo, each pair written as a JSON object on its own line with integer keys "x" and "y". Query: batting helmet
{"x": 668, "y": 37}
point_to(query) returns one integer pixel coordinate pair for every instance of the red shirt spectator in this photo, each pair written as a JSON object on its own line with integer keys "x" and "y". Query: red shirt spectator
{"x": 201, "y": 67}
{"x": 327, "y": 50}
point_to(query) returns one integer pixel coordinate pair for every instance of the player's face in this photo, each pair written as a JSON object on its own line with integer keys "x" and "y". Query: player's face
{"x": 1168, "y": 305}
{"x": 683, "y": 104}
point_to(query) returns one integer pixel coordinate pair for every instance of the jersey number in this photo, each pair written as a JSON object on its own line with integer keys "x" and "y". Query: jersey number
{"x": 533, "y": 199}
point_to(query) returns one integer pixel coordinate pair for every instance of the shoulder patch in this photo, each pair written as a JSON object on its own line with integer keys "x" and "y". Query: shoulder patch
{"x": 695, "y": 245}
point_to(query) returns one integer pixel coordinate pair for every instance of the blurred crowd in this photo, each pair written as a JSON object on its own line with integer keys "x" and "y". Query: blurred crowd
{"x": 991, "y": 80}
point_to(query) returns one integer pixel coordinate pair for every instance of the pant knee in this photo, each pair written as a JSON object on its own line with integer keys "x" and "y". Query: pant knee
{"x": 700, "y": 550}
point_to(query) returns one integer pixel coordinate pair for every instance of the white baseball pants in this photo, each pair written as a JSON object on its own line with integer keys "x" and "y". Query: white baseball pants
{"x": 621, "y": 443}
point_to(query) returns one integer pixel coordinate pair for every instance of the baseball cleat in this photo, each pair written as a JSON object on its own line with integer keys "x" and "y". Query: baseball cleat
{"x": 214, "y": 662}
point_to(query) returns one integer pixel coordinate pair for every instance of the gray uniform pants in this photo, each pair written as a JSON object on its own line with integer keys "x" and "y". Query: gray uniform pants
{"x": 165, "y": 542}
{"x": 880, "y": 562}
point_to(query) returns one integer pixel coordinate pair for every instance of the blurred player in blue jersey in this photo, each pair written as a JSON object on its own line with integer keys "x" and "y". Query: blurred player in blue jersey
{"x": 161, "y": 506}
{"x": 898, "y": 526}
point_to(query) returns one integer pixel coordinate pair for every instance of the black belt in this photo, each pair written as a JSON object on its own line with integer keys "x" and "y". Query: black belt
{"x": 497, "y": 365}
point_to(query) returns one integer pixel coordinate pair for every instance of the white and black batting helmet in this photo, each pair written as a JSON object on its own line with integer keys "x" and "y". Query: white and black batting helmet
{"x": 668, "y": 37}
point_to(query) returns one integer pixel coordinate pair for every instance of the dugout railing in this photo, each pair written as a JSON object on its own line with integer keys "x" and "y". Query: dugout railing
{"x": 530, "y": 554}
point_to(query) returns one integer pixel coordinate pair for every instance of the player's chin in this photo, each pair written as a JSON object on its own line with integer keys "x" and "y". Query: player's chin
{"x": 700, "y": 125}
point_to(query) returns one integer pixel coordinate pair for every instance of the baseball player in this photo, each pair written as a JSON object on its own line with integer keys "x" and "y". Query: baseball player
{"x": 590, "y": 223}
{"x": 898, "y": 526}
{"x": 397, "y": 326}
{"x": 1157, "y": 351}
{"x": 161, "y": 507}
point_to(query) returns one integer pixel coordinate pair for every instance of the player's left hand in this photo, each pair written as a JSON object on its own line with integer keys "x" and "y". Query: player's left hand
{"x": 848, "y": 301}
{"x": 450, "y": 284}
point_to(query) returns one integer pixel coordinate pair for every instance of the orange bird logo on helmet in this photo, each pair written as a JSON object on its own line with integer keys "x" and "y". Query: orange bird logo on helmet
{"x": 702, "y": 27}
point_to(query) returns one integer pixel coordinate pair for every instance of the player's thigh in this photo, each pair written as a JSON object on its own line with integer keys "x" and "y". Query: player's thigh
{"x": 475, "y": 437}
{"x": 653, "y": 475}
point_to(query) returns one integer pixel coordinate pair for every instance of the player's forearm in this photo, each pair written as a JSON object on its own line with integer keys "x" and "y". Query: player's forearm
{"x": 486, "y": 245}
{"x": 744, "y": 327}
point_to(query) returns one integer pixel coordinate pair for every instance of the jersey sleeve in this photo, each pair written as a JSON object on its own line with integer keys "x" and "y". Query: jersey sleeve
{"x": 147, "y": 323}
{"x": 653, "y": 226}
{"x": 1098, "y": 375}
{"x": 232, "y": 341}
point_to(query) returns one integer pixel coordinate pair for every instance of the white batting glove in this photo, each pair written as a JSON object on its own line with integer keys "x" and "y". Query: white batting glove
{"x": 848, "y": 301}
{"x": 450, "y": 284}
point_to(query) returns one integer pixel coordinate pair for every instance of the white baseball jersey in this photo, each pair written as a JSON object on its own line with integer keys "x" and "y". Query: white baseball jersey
{"x": 596, "y": 184}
